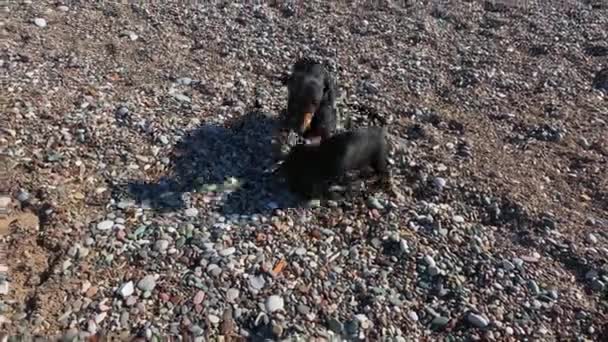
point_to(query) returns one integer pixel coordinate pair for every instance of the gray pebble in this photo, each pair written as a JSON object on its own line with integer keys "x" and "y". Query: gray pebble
{"x": 196, "y": 330}
{"x": 301, "y": 251}
{"x": 124, "y": 319}
{"x": 122, "y": 111}
{"x": 553, "y": 294}
{"x": 373, "y": 203}
{"x": 165, "y": 141}
{"x": 335, "y": 325}
{"x": 131, "y": 301}
{"x": 227, "y": 251}
{"x": 232, "y": 295}
{"x": 439, "y": 183}
{"x": 591, "y": 239}
{"x": 395, "y": 300}
{"x": 413, "y": 316}
{"x": 181, "y": 97}
{"x": 184, "y": 81}
{"x": 508, "y": 266}
{"x": 147, "y": 283}
{"x": 477, "y": 320}
{"x": 161, "y": 245}
{"x": 534, "y": 289}
{"x": 303, "y": 309}
{"x": 23, "y": 196}
{"x": 439, "y": 322}
{"x": 274, "y": 303}
{"x": 105, "y": 225}
{"x": 257, "y": 282}
{"x": 63, "y": 8}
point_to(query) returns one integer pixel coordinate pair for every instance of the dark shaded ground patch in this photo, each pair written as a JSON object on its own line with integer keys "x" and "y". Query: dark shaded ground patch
{"x": 233, "y": 159}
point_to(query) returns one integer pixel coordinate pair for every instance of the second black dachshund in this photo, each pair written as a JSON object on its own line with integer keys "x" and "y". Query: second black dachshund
{"x": 310, "y": 167}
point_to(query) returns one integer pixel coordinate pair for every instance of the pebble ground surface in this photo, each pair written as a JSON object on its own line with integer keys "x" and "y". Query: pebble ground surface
{"x": 138, "y": 136}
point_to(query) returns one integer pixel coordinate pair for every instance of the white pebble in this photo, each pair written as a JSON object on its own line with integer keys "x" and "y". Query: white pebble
{"x": 105, "y": 225}
{"x": 227, "y": 251}
{"x": 429, "y": 261}
{"x": 232, "y": 295}
{"x": 458, "y": 219}
{"x": 191, "y": 212}
{"x": 40, "y": 22}
{"x": 213, "y": 319}
{"x": 274, "y": 303}
{"x": 126, "y": 290}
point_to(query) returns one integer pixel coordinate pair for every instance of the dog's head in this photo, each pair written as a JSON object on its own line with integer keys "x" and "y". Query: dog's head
{"x": 305, "y": 96}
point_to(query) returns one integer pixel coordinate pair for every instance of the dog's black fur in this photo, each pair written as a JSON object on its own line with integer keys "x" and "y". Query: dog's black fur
{"x": 311, "y": 88}
{"x": 309, "y": 168}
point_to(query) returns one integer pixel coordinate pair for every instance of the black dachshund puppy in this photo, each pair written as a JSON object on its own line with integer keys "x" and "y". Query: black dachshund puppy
{"x": 311, "y": 100}
{"x": 309, "y": 168}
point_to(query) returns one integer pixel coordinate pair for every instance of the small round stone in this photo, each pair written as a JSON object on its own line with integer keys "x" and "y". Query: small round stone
{"x": 232, "y": 295}
{"x": 303, "y": 309}
{"x": 429, "y": 261}
{"x": 433, "y": 270}
{"x": 191, "y": 212}
{"x": 439, "y": 183}
{"x": 213, "y": 319}
{"x": 439, "y": 322}
{"x": 227, "y": 251}
{"x": 257, "y": 282}
{"x": 477, "y": 320}
{"x": 161, "y": 245}
{"x": 40, "y": 22}
{"x": 274, "y": 303}
{"x": 458, "y": 219}
{"x": 147, "y": 283}
{"x": 105, "y": 225}
{"x": 126, "y": 289}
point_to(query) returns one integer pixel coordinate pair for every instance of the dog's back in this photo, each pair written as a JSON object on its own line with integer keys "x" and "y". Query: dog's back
{"x": 354, "y": 149}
